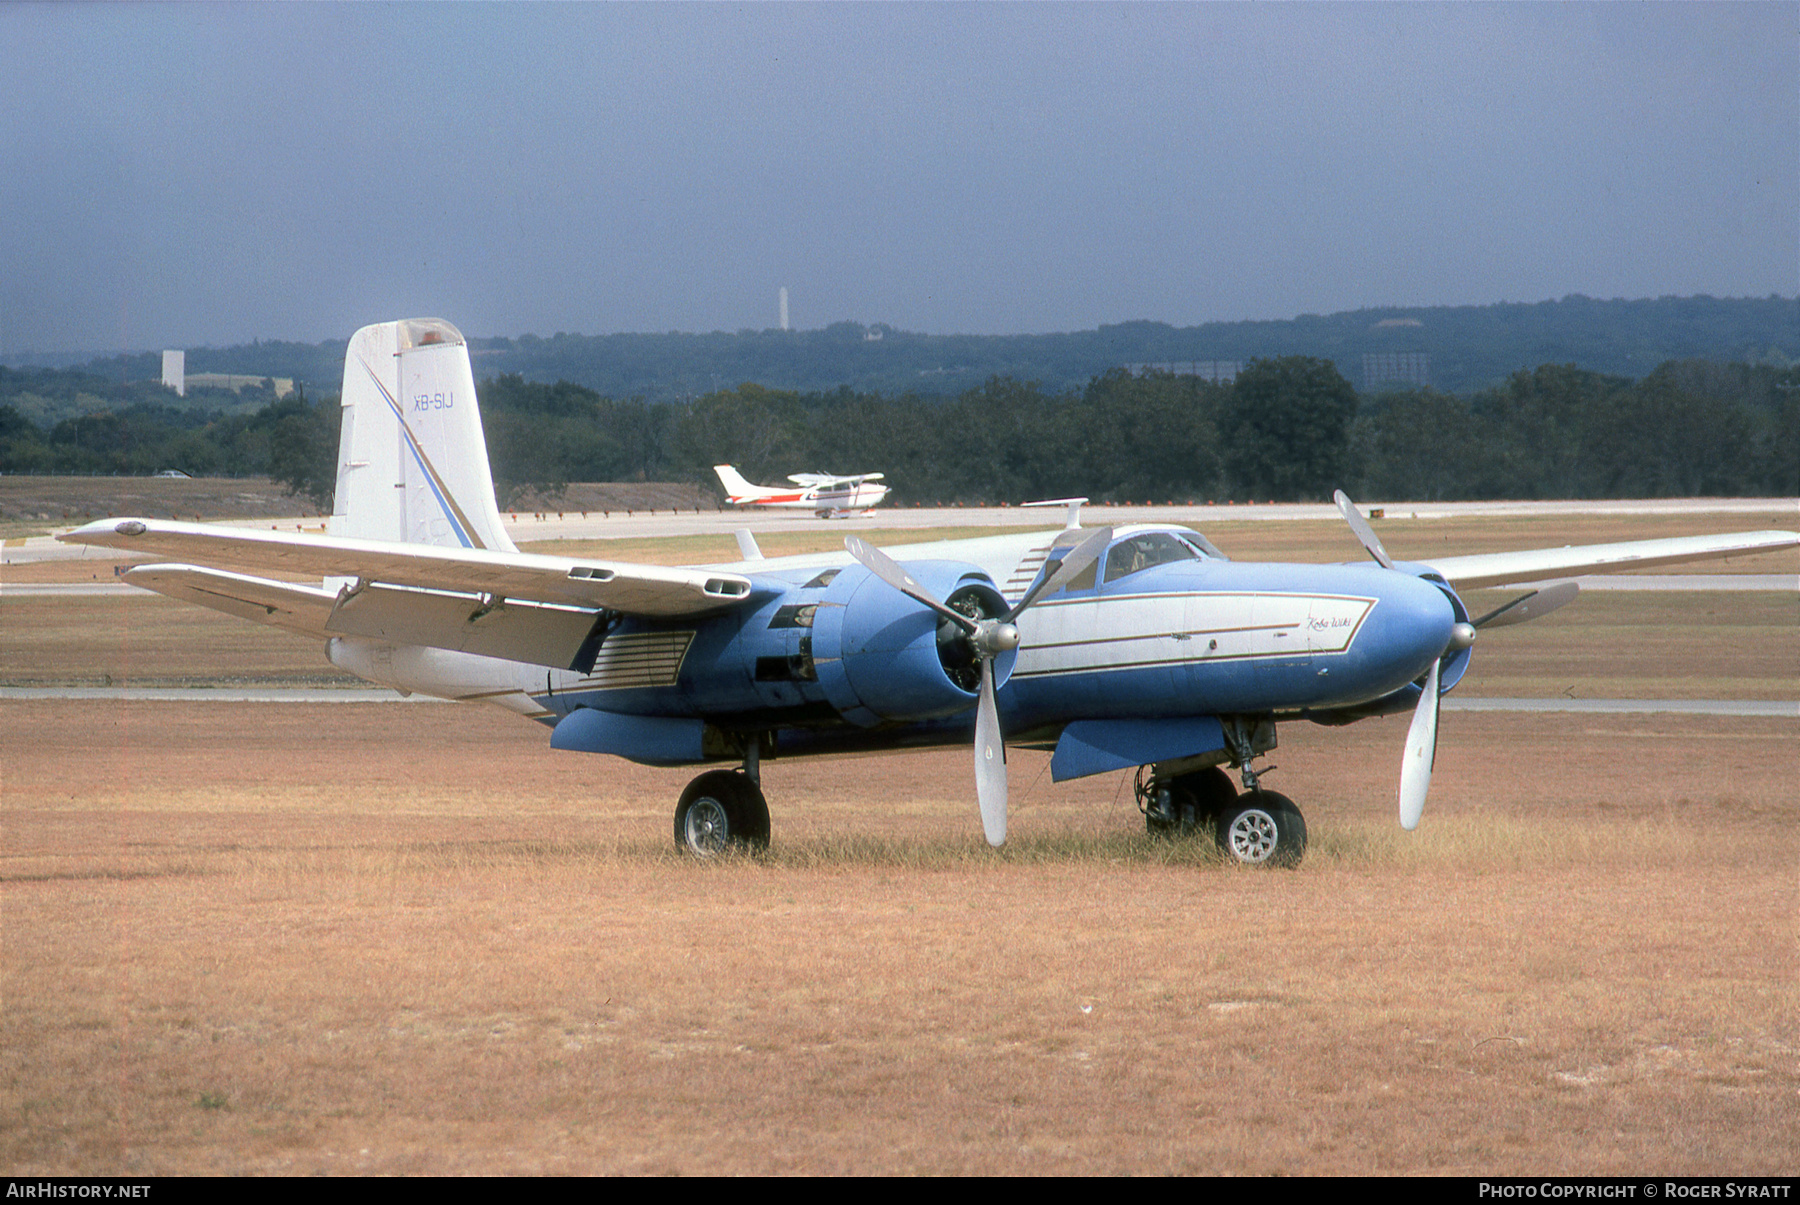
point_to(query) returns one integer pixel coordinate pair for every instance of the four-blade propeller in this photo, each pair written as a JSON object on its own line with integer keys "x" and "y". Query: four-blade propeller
{"x": 988, "y": 638}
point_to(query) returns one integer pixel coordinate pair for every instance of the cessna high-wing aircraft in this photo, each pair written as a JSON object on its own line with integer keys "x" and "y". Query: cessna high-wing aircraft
{"x": 826, "y": 495}
{"x": 1132, "y": 646}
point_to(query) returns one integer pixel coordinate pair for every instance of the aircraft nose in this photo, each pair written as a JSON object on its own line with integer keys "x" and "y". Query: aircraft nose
{"x": 1420, "y": 622}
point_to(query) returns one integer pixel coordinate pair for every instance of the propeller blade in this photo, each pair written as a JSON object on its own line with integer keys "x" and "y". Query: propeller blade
{"x": 888, "y": 570}
{"x": 990, "y": 760}
{"x": 1421, "y": 752}
{"x": 1535, "y": 605}
{"x": 990, "y": 638}
{"x": 1360, "y": 526}
{"x": 1073, "y": 562}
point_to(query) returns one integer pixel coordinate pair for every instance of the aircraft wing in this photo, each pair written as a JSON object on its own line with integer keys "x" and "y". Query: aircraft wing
{"x": 1500, "y": 568}
{"x": 631, "y": 589}
{"x": 812, "y": 479}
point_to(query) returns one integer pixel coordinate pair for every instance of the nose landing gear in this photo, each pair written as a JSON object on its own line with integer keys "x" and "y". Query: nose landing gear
{"x": 1254, "y": 828}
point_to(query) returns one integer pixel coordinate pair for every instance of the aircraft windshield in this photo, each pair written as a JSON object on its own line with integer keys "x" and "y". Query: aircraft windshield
{"x": 1205, "y": 546}
{"x": 1146, "y": 550}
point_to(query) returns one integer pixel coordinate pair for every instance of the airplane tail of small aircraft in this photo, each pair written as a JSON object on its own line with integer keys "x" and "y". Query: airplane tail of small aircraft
{"x": 737, "y": 488}
{"x": 412, "y": 458}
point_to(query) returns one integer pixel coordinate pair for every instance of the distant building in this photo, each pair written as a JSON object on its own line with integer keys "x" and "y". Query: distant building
{"x": 1395, "y": 368}
{"x": 1219, "y": 372}
{"x": 236, "y": 381}
{"x": 175, "y": 371}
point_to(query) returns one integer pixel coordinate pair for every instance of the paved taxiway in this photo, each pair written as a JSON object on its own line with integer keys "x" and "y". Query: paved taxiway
{"x": 570, "y": 526}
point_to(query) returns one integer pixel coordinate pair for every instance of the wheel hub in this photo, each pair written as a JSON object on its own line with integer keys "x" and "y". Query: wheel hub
{"x": 708, "y": 829}
{"x": 1252, "y": 836}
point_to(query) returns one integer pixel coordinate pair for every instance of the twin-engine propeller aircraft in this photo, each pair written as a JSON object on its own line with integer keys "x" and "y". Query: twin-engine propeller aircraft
{"x": 1140, "y": 645}
{"x": 825, "y": 494}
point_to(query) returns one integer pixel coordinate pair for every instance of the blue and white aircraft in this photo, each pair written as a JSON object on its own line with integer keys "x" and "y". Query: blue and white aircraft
{"x": 1140, "y": 645}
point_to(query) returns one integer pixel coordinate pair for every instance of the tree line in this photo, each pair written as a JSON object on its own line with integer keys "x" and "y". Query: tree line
{"x": 1468, "y": 348}
{"x": 140, "y": 429}
{"x": 1287, "y": 428}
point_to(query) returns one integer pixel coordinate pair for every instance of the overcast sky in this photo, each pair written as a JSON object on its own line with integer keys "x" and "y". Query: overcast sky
{"x": 189, "y": 175}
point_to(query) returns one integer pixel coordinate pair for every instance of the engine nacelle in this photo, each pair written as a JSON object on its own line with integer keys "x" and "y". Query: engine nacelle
{"x": 881, "y": 656}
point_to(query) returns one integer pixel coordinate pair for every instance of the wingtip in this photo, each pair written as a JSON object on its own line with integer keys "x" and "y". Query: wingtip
{"x": 89, "y": 533}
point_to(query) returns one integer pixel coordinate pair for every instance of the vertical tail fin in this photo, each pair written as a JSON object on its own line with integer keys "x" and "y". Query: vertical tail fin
{"x": 736, "y": 487}
{"x": 412, "y": 458}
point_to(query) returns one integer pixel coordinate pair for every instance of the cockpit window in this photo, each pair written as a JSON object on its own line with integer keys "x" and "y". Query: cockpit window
{"x": 1146, "y": 550}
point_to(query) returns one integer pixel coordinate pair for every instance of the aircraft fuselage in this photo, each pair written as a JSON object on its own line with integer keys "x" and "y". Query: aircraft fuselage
{"x": 821, "y": 500}
{"x": 839, "y": 652}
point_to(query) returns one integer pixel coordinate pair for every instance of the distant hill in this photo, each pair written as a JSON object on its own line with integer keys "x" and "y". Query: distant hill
{"x": 1457, "y": 349}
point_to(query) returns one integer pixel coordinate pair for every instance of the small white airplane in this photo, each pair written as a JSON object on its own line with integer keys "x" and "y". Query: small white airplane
{"x": 1138, "y": 646}
{"x": 825, "y": 494}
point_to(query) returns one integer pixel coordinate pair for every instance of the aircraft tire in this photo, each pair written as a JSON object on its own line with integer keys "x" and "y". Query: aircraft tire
{"x": 1207, "y": 792}
{"x": 721, "y": 812}
{"x": 1262, "y": 828}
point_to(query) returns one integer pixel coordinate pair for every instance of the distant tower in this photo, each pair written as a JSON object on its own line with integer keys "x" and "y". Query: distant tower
{"x": 175, "y": 371}
{"x": 784, "y": 324}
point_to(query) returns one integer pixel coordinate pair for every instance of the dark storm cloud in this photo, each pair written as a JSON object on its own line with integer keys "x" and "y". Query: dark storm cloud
{"x": 181, "y": 175}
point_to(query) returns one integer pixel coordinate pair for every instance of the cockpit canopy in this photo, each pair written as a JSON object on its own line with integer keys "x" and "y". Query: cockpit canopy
{"x": 1141, "y": 550}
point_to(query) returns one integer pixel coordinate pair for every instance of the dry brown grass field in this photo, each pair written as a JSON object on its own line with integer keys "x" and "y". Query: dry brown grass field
{"x": 409, "y": 938}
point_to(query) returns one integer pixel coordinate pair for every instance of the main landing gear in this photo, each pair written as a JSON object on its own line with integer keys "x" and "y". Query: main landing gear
{"x": 1254, "y": 828}
{"x": 723, "y": 811}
